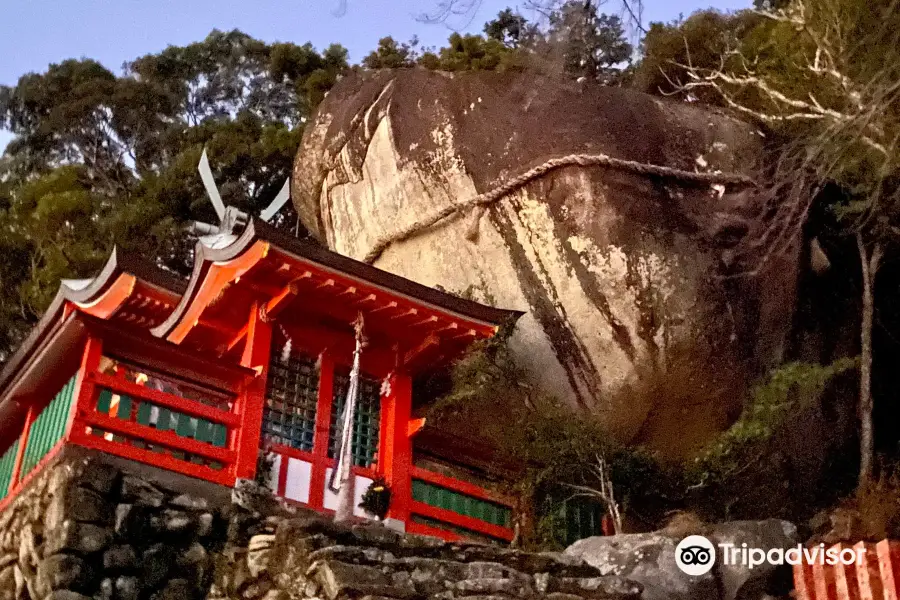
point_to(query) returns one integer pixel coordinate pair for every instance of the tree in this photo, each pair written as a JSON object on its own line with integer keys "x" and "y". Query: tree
{"x": 578, "y": 41}
{"x": 700, "y": 41}
{"x": 463, "y": 11}
{"x": 391, "y": 55}
{"x": 508, "y": 28}
{"x": 469, "y": 53}
{"x": 591, "y": 43}
{"x": 825, "y": 76}
{"x": 100, "y": 159}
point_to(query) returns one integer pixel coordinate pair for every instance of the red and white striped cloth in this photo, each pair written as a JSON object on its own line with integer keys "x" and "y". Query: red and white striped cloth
{"x": 876, "y": 577}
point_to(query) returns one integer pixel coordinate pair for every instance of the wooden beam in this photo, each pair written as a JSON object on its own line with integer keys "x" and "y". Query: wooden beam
{"x": 258, "y": 288}
{"x": 412, "y": 312}
{"x": 280, "y": 300}
{"x": 429, "y": 321}
{"x": 468, "y": 334}
{"x": 415, "y": 426}
{"x": 215, "y": 325}
{"x": 159, "y": 355}
{"x": 313, "y": 339}
{"x": 240, "y": 335}
{"x": 388, "y": 306}
{"x": 321, "y": 435}
{"x": 164, "y": 399}
{"x": 369, "y": 298}
{"x": 410, "y": 357}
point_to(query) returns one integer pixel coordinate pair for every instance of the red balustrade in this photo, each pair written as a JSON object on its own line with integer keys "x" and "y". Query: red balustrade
{"x": 454, "y": 509}
{"x": 157, "y": 428}
{"x": 875, "y": 574}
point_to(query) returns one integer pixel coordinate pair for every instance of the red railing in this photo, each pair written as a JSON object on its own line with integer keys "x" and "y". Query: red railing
{"x": 198, "y": 440}
{"x": 873, "y": 574}
{"x": 456, "y": 509}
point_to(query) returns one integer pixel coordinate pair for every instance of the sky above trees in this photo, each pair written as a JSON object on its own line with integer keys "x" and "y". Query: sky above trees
{"x": 46, "y": 31}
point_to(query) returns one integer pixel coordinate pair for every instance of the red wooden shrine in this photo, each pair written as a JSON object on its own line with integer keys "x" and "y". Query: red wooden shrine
{"x": 251, "y": 354}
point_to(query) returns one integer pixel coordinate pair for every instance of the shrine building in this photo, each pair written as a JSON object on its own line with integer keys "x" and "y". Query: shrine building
{"x": 251, "y": 355}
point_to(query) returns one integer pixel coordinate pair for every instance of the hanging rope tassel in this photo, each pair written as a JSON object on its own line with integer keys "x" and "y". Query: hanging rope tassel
{"x": 286, "y": 349}
{"x": 342, "y": 480}
{"x": 472, "y": 232}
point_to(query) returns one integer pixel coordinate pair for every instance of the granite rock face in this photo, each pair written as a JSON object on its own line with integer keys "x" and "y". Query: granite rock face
{"x": 619, "y": 274}
{"x": 649, "y": 559}
{"x": 311, "y": 557}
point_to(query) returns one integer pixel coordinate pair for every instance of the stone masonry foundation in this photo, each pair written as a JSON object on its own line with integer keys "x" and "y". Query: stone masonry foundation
{"x": 91, "y": 527}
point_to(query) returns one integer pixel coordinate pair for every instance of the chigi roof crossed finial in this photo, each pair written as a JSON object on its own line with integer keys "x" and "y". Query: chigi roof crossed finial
{"x": 230, "y": 218}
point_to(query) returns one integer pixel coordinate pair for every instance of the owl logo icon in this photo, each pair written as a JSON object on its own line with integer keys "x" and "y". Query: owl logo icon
{"x": 695, "y": 555}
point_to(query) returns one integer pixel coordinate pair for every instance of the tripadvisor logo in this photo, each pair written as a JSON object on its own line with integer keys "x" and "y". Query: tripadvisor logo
{"x": 696, "y": 555}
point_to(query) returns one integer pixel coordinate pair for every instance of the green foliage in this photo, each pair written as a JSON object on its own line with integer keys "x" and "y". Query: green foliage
{"x": 509, "y": 28}
{"x": 734, "y": 477}
{"x": 578, "y": 42}
{"x": 469, "y": 53}
{"x": 592, "y": 44}
{"x": 703, "y": 41}
{"x": 391, "y": 55}
{"x": 100, "y": 159}
{"x": 789, "y": 389}
{"x": 733, "y": 462}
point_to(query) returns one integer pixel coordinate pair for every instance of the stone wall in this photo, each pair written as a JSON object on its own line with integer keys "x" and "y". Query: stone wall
{"x": 83, "y": 528}
{"x": 306, "y": 556}
{"x": 90, "y": 526}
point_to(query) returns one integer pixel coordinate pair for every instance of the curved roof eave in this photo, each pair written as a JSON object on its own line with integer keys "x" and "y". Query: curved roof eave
{"x": 118, "y": 263}
{"x": 204, "y": 257}
{"x": 257, "y": 230}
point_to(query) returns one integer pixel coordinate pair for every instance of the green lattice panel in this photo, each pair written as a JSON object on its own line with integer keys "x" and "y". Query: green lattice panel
{"x": 462, "y": 531}
{"x": 574, "y": 519}
{"x": 7, "y": 464}
{"x": 292, "y": 394}
{"x": 365, "y": 421}
{"x": 163, "y": 419}
{"x": 462, "y": 504}
{"x": 48, "y": 428}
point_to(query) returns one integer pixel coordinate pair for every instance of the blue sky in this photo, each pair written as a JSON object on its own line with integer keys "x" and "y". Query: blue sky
{"x": 39, "y": 32}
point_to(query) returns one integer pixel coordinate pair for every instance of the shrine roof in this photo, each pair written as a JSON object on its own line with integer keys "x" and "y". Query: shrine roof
{"x": 278, "y": 271}
{"x": 313, "y": 253}
{"x": 129, "y": 290}
{"x": 264, "y": 265}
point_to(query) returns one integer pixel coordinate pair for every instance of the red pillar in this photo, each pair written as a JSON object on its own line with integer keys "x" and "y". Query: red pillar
{"x": 323, "y": 429}
{"x": 252, "y": 399}
{"x": 20, "y": 451}
{"x": 84, "y": 392}
{"x": 395, "y": 458}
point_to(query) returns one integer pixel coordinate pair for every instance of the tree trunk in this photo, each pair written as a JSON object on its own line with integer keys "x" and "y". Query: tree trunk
{"x": 870, "y": 264}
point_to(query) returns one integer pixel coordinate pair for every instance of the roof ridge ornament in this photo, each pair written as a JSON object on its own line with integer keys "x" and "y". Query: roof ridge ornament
{"x": 231, "y": 218}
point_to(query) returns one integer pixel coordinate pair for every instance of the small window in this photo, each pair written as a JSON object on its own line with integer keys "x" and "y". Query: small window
{"x": 365, "y": 421}
{"x": 291, "y": 397}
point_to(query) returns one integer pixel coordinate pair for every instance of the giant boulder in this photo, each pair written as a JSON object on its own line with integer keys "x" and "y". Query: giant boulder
{"x": 619, "y": 273}
{"x": 649, "y": 559}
